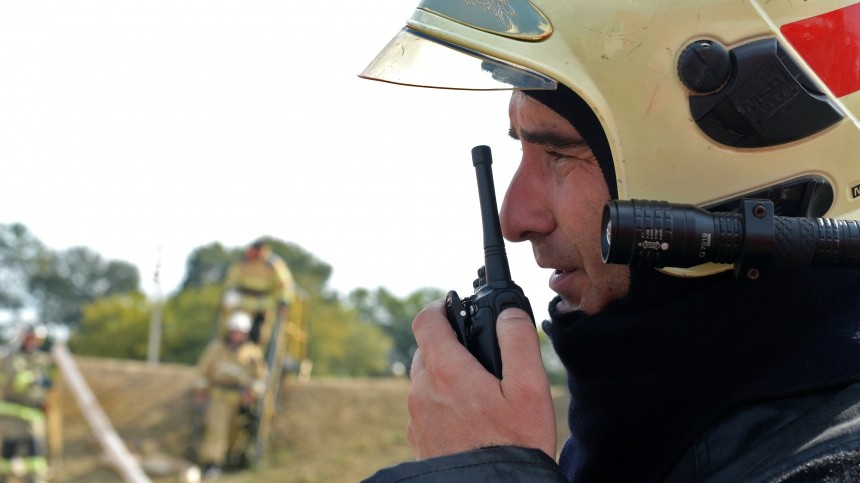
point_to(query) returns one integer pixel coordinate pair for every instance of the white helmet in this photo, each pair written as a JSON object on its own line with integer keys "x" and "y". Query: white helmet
{"x": 239, "y": 321}
{"x": 702, "y": 102}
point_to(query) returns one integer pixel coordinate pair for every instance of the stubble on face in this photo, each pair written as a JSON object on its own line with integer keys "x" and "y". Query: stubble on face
{"x": 555, "y": 202}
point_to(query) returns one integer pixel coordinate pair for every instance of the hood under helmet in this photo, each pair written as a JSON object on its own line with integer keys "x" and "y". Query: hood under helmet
{"x": 573, "y": 108}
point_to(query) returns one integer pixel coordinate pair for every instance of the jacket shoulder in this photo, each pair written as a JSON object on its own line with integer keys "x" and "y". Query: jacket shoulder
{"x": 802, "y": 438}
{"x": 502, "y": 463}
{"x": 250, "y": 350}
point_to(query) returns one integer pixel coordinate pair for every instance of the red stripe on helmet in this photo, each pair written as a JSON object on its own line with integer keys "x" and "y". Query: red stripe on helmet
{"x": 830, "y": 45}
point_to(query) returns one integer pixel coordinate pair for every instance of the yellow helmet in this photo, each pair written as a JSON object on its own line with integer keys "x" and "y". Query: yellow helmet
{"x": 702, "y": 101}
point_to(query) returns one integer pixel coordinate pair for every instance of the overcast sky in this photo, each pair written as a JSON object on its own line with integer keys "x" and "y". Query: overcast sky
{"x": 144, "y": 130}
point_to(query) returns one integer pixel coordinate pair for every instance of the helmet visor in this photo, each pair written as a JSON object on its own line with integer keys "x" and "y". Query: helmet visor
{"x": 414, "y": 59}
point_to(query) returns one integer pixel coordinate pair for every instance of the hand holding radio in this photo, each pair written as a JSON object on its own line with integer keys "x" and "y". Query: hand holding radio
{"x": 473, "y": 318}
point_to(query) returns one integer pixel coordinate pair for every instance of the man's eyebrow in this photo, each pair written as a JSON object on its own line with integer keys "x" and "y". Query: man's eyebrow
{"x": 547, "y": 138}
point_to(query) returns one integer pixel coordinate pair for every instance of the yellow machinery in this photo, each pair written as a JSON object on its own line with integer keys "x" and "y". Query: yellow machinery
{"x": 287, "y": 353}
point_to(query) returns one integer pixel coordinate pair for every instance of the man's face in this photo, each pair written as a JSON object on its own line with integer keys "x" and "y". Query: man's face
{"x": 31, "y": 343}
{"x": 252, "y": 253}
{"x": 236, "y": 337}
{"x": 555, "y": 201}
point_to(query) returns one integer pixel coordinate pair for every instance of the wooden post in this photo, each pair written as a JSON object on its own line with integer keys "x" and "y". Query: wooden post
{"x": 115, "y": 450}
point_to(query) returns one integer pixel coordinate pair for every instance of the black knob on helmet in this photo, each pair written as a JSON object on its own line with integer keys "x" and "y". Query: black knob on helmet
{"x": 704, "y": 66}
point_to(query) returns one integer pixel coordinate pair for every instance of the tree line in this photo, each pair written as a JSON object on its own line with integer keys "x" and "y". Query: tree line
{"x": 363, "y": 333}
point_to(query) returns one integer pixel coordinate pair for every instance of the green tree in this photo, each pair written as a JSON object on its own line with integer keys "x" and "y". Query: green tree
{"x": 56, "y": 284}
{"x": 394, "y": 316}
{"x": 346, "y": 339}
{"x": 118, "y": 326}
{"x": 62, "y": 282}
{"x": 115, "y": 326}
{"x": 18, "y": 249}
{"x": 207, "y": 265}
{"x": 341, "y": 344}
{"x": 189, "y": 323}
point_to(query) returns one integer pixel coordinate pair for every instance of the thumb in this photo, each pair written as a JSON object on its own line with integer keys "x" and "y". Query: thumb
{"x": 519, "y": 345}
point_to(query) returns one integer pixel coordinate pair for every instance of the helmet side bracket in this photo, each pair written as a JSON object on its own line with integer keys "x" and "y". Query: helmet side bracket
{"x": 766, "y": 98}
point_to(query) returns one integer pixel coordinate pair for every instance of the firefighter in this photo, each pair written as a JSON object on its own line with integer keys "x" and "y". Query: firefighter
{"x": 721, "y": 372}
{"x": 26, "y": 377}
{"x": 232, "y": 371}
{"x": 261, "y": 284}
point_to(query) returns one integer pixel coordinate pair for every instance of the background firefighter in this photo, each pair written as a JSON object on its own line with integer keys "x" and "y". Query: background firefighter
{"x": 232, "y": 372}
{"x": 262, "y": 285}
{"x": 26, "y": 377}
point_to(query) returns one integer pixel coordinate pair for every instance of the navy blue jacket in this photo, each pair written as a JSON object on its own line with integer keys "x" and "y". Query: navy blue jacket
{"x": 710, "y": 379}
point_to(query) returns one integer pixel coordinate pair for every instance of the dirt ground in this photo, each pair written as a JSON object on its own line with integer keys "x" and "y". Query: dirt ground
{"x": 326, "y": 430}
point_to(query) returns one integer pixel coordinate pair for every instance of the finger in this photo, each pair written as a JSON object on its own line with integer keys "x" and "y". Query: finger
{"x": 434, "y": 335}
{"x": 519, "y": 345}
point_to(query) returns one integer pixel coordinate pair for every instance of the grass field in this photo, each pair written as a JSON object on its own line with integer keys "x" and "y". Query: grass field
{"x": 327, "y": 430}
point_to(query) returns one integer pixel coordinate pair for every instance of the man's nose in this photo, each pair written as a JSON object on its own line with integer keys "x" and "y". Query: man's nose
{"x": 524, "y": 213}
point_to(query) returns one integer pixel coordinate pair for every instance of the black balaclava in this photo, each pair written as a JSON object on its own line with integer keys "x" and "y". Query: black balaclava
{"x": 570, "y": 106}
